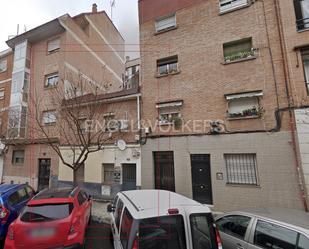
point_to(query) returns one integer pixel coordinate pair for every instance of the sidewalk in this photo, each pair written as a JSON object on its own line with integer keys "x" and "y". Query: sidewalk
{"x": 99, "y": 212}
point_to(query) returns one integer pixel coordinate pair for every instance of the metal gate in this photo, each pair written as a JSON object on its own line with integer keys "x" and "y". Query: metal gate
{"x": 44, "y": 173}
{"x": 128, "y": 176}
{"x": 201, "y": 178}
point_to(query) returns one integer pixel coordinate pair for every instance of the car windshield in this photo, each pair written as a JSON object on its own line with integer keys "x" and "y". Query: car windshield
{"x": 162, "y": 233}
{"x": 202, "y": 229}
{"x": 50, "y": 212}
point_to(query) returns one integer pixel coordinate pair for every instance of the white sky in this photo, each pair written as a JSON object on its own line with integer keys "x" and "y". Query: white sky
{"x": 32, "y": 13}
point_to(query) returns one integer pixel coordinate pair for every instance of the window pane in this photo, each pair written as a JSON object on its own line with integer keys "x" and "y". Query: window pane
{"x": 166, "y": 23}
{"x": 244, "y": 106}
{"x": 18, "y": 156}
{"x": 202, "y": 231}
{"x": 43, "y": 213}
{"x": 231, "y": 4}
{"x": 241, "y": 168}
{"x": 3, "y": 65}
{"x": 271, "y": 236}
{"x": 14, "y": 199}
{"x": 237, "y": 47}
{"x": 49, "y": 117}
{"x": 126, "y": 224}
{"x": 235, "y": 225}
{"x": 53, "y": 45}
{"x": 303, "y": 242}
{"x": 162, "y": 232}
{"x": 118, "y": 213}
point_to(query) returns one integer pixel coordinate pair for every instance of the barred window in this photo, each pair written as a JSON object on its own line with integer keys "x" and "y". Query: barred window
{"x": 241, "y": 169}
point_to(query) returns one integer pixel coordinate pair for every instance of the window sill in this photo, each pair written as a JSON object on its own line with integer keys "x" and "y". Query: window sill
{"x": 243, "y": 118}
{"x": 3, "y": 71}
{"x": 234, "y": 9}
{"x": 165, "y": 75}
{"x": 50, "y": 124}
{"x": 49, "y": 87}
{"x": 240, "y": 60}
{"x": 302, "y": 30}
{"x": 165, "y": 30}
{"x": 242, "y": 185}
{"x": 166, "y": 124}
{"x": 53, "y": 52}
{"x": 17, "y": 164}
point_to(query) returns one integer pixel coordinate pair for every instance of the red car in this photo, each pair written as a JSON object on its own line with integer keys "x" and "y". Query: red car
{"x": 54, "y": 218}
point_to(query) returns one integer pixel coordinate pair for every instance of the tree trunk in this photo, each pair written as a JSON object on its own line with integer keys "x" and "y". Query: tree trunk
{"x": 75, "y": 177}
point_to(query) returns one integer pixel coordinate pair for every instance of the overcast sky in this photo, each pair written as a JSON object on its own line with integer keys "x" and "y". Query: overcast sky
{"x": 31, "y": 13}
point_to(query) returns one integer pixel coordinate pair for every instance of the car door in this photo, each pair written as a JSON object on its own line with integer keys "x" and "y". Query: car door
{"x": 234, "y": 231}
{"x": 112, "y": 215}
{"x": 118, "y": 214}
{"x": 269, "y": 235}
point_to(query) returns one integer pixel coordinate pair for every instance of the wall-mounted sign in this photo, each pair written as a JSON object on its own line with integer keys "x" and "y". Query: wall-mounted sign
{"x": 219, "y": 176}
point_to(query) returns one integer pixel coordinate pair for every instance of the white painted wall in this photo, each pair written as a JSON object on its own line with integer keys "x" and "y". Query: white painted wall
{"x": 93, "y": 165}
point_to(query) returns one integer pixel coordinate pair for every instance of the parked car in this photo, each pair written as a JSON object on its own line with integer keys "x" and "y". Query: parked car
{"x": 13, "y": 197}
{"x": 54, "y": 218}
{"x": 264, "y": 228}
{"x": 152, "y": 219}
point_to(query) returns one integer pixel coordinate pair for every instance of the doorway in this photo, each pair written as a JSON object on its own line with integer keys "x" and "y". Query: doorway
{"x": 44, "y": 173}
{"x": 128, "y": 176}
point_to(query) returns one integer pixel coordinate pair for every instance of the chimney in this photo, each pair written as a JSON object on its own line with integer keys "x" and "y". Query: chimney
{"x": 94, "y": 8}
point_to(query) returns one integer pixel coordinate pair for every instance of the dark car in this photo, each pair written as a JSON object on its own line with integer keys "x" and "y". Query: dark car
{"x": 13, "y": 198}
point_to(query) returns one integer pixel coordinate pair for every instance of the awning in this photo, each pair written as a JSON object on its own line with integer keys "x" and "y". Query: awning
{"x": 244, "y": 95}
{"x": 169, "y": 104}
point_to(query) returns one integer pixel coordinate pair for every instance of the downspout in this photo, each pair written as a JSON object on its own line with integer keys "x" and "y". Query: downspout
{"x": 138, "y": 113}
{"x": 290, "y": 104}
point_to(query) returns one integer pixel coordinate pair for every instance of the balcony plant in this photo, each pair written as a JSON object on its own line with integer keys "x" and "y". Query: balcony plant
{"x": 252, "y": 112}
{"x": 240, "y": 55}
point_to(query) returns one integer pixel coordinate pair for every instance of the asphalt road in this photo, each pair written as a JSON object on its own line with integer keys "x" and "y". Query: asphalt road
{"x": 98, "y": 236}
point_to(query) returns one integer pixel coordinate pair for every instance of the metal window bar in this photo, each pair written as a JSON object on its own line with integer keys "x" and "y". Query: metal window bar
{"x": 241, "y": 169}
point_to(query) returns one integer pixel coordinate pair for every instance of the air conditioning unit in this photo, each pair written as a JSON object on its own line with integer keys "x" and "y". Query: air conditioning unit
{"x": 216, "y": 127}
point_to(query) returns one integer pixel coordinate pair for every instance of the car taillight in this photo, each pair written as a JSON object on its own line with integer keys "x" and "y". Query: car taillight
{"x": 4, "y": 214}
{"x": 218, "y": 238}
{"x": 135, "y": 243}
{"x": 10, "y": 234}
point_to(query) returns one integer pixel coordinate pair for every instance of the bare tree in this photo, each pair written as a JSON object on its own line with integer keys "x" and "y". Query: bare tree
{"x": 71, "y": 120}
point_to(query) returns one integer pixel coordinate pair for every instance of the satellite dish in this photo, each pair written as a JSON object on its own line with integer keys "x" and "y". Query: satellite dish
{"x": 121, "y": 144}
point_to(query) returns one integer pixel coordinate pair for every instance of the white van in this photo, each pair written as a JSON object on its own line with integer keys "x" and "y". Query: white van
{"x": 158, "y": 219}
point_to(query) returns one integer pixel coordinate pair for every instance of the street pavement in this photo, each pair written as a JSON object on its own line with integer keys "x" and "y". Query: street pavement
{"x": 98, "y": 236}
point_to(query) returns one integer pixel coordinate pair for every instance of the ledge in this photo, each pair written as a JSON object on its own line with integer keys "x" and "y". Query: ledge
{"x": 242, "y": 185}
{"x": 243, "y": 118}
{"x": 302, "y": 30}
{"x": 165, "y": 75}
{"x": 165, "y": 30}
{"x": 239, "y": 60}
{"x": 235, "y": 9}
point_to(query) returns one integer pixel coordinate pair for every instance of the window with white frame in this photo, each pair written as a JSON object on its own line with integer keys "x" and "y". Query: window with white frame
{"x": 3, "y": 65}
{"x": 169, "y": 112}
{"x": 237, "y": 50}
{"x": 244, "y": 104}
{"x": 305, "y": 59}
{"x": 167, "y": 65}
{"x": 165, "y": 23}
{"x": 49, "y": 117}
{"x": 1, "y": 93}
{"x": 51, "y": 80}
{"x": 53, "y": 46}
{"x": 227, "y": 5}
{"x": 241, "y": 169}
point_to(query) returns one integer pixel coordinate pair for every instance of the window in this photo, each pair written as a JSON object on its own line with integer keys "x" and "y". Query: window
{"x": 126, "y": 225}
{"x": 169, "y": 112}
{"x": 108, "y": 173}
{"x": 238, "y": 50}
{"x": 244, "y": 105}
{"x": 303, "y": 242}
{"x": 305, "y": 59}
{"x": 14, "y": 199}
{"x": 163, "y": 232}
{"x": 1, "y": 93}
{"x": 18, "y": 156}
{"x": 241, "y": 168}
{"x": 81, "y": 198}
{"x": 51, "y": 80}
{"x": 49, "y": 117}
{"x": 49, "y": 212}
{"x": 227, "y": 5}
{"x": 53, "y": 46}
{"x": 271, "y": 236}
{"x": 165, "y": 23}
{"x": 3, "y": 65}
{"x": 118, "y": 212}
{"x": 301, "y": 8}
{"x": 235, "y": 225}
{"x": 167, "y": 65}
{"x": 202, "y": 230}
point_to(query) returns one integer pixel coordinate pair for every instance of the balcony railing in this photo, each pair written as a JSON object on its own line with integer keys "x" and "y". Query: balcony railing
{"x": 302, "y": 23}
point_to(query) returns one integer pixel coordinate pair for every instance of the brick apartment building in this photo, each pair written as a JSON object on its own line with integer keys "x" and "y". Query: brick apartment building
{"x": 6, "y": 62}
{"x": 216, "y": 105}
{"x": 47, "y": 57}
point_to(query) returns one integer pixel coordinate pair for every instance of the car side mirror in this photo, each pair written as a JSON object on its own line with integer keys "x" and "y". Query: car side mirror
{"x": 89, "y": 197}
{"x": 110, "y": 208}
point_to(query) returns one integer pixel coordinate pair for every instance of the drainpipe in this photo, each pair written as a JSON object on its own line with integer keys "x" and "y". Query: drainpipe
{"x": 138, "y": 113}
{"x": 290, "y": 105}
